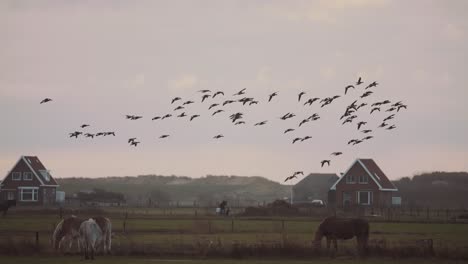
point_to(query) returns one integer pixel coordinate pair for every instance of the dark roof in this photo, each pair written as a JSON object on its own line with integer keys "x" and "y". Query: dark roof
{"x": 374, "y": 169}
{"x": 374, "y": 172}
{"x": 317, "y": 181}
{"x": 40, "y": 170}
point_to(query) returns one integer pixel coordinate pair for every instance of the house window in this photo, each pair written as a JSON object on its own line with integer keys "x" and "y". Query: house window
{"x": 16, "y": 176}
{"x": 11, "y": 196}
{"x": 28, "y": 194}
{"x": 27, "y": 176}
{"x": 45, "y": 174}
{"x": 364, "y": 197}
{"x": 363, "y": 179}
{"x": 350, "y": 179}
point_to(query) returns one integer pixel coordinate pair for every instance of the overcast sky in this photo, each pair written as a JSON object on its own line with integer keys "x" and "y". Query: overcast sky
{"x": 100, "y": 60}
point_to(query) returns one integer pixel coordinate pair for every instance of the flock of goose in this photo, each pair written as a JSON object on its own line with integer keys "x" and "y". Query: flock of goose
{"x": 349, "y": 116}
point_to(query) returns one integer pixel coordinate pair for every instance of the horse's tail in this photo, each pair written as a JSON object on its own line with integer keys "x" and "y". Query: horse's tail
{"x": 55, "y": 235}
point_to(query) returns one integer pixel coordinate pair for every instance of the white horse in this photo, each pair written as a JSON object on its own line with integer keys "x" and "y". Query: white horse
{"x": 90, "y": 237}
{"x": 67, "y": 231}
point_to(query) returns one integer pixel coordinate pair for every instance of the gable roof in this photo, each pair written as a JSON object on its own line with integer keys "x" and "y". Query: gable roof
{"x": 317, "y": 181}
{"x": 38, "y": 169}
{"x": 373, "y": 170}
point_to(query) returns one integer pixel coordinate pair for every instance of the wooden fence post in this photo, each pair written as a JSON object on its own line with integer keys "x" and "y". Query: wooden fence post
{"x": 37, "y": 239}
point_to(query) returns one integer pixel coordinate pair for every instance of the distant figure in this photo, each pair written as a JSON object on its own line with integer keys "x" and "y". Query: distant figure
{"x": 222, "y": 207}
{"x": 333, "y": 228}
{"x": 5, "y": 205}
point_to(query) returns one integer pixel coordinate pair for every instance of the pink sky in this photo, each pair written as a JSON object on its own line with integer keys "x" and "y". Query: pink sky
{"x": 102, "y": 60}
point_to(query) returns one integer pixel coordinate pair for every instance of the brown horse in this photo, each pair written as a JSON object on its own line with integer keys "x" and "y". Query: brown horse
{"x": 334, "y": 228}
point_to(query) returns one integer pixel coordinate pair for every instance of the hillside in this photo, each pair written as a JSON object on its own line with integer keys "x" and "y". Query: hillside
{"x": 207, "y": 190}
{"x": 435, "y": 189}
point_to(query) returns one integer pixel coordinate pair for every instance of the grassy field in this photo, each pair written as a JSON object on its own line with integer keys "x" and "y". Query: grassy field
{"x": 172, "y": 234}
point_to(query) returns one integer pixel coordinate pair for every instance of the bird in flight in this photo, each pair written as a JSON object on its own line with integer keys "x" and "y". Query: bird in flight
{"x": 383, "y": 124}
{"x": 75, "y": 134}
{"x": 218, "y": 136}
{"x": 306, "y": 138}
{"x": 373, "y": 84}
{"x": 193, "y": 117}
{"x": 241, "y": 92}
{"x": 213, "y": 105}
{"x": 164, "y": 136}
{"x": 367, "y": 138}
{"x": 205, "y": 96}
{"x": 271, "y": 96}
{"x": 166, "y": 116}
{"x": 134, "y": 143}
{"x": 366, "y": 131}
{"x": 89, "y": 135}
{"x": 261, "y": 123}
{"x": 235, "y": 117}
{"x": 311, "y": 101}
{"x": 156, "y": 118}
{"x": 391, "y": 127}
{"x": 179, "y": 108}
{"x": 375, "y": 109}
{"x": 188, "y": 102}
{"x": 336, "y": 153}
{"x": 217, "y": 111}
{"x": 84, "y": 125}
{"x": 300, "y": 96}
{"x": 228, "y": 102}
{"x": 347, "y": 88}
{"x": 298, "y": 173}
{"x": 204, "y": 91}
{"x": 45, "y": 100}
{"x": 366, "y": 94}
{"x": 130, "y": 140}
{"x": 239, "y": 123}
{"x": 290, "y": 178}
{"x": 359, "y": 124}
{"x": 359, "y": 81}
{"x": 109, "y": 133}
{"x": 175, "y": 99}
{"x": 325, "y": 161}
{"x": 389, "y": 117}
{"x": 296, "y": 139}
{"x": 218, "y": 92}
{"x": 288, "y": 130}
{"x": 182, "y": 115}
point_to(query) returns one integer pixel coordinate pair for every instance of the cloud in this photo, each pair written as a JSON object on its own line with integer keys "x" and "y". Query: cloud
{"x": 183, "y": 82}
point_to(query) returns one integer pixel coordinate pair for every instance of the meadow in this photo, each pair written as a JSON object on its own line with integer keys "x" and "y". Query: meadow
{"x": 145, "y": 235}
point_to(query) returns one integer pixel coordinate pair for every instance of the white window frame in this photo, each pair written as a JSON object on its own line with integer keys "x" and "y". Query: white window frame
{"x": 17, "y": 174}
{"x": 27, "y": 173}
{"x": 348, "y": 179}
{"x": 363, "y": 176}
{"x": 370, "y": 197}
{"x": 10, "y": 195}
{"x": 34, "y": 193}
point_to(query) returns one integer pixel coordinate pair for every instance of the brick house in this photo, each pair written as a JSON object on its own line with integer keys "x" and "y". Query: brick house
{"x": 364, "y": 183}
{"x": 29, "y": 182}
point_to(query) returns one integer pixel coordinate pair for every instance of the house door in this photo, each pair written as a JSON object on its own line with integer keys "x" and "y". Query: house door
{"x": 45, "y": 199}
{"x": 11, "y": 196}
{"x": 346, "y": 199}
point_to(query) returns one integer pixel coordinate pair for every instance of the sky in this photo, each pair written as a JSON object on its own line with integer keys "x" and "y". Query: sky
{"x": 101, "y": 60}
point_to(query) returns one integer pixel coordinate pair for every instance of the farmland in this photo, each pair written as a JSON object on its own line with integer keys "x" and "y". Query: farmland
{"x": 183, "y": 235}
